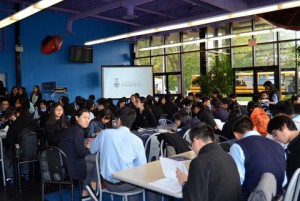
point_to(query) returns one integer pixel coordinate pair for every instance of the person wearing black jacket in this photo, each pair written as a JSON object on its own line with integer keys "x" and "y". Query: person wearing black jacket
{"x": 213, "y": 174}
{"x": 284, "y": 130}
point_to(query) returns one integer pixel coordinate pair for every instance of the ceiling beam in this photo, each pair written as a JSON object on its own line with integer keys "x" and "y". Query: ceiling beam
{"x": 228, "y": 5}
{"x": 153, "y": 12}
{"x": 201, "y": 5}
{"x": 108, "y": 7}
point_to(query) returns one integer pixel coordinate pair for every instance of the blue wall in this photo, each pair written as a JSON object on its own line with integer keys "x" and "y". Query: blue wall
{"x": 80, "y": 79}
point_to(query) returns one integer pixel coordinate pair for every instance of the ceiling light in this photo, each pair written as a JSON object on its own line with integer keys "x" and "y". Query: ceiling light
{"x": 212, "y": 39}
{"x": 30, "y": 10}
{"x": 265, "y": 9}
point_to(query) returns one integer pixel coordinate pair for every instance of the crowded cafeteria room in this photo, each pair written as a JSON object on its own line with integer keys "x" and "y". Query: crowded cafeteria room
{"x": 149, "y": 100}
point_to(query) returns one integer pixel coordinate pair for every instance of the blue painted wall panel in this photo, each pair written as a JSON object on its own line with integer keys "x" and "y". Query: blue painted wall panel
{"x": 81, "y": 79}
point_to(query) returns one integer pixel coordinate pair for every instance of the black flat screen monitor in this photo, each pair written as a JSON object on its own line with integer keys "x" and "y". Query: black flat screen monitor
{"x": 81, "y": 54}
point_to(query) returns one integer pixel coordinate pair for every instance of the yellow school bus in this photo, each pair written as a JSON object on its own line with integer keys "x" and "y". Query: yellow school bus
{"x": 244, "y": 82}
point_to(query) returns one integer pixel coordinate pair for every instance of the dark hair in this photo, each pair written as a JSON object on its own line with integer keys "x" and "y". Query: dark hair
{"x": 24, "y": 102}
{"x": 78, "y": 113}
{"x": 127, "y": 116}
{"x": 277, "y": 123}
{"x": 121, "y": 100}
{"x": 225, "y": 101}
{"x": 64, "y": 100}
{"x": 38, "y": 89}
{"x": 252, "y": 105}
{"x": 184, "y": 118}
{"x": 233, "y": 95}
{"x": 191, "y": 94}
{"x": 101, "y": 101}
{"x": 44, "y": 102}
{"x": 198, "y": 95}
{"x": 205, "y": 98}
{"x": 63, "y": 120}
{"x": 284, "y": 107}
{"x": 202, "y": 131}
{"x": 242, "y": 124}
{"x": 215, "y": 103}
{"x": 9, "y": 112}
{"x": 199, "y": 105}
{"x": 90, "y": 104}
{"x": 272, "y": 89}
{"x": 24, "y": 93}
{"x": 92, "y": 97}
{"x": 105, "y": 113}
{"x": 294, "y": 98}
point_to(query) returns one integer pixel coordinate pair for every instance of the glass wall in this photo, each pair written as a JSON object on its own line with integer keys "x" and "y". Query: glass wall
{"x": 176, "y": 67}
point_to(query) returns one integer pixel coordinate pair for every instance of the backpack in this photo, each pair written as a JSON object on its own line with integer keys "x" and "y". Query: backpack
{"x": 27, "y": 149}
{"x": 260, "y": 119}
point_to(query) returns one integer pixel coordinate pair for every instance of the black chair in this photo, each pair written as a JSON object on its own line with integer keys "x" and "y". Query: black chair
{"x": 55, "y": 170}
{"x": 27, "y": 151}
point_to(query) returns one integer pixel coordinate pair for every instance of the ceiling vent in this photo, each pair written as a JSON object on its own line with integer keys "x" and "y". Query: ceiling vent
{"x": 130, "y": 14}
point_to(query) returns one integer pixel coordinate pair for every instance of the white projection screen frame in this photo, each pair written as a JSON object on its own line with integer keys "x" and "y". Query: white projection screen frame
{"x": 122, "y": 81}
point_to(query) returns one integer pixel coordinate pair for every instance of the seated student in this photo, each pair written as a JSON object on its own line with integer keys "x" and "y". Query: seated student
{"x": 183, "y": 121}
{"x": 157, "y": 110}
{"x": 264, "y": 100}
{"x": 284, "y": 130}
{"x": 56, "y": 122}
{"x": 82, "y": 165}
{"x": 203, "y": 115}
{"x": 254, "y": 155}
{"x": 169, "y": 106}
{"x": 205, "y": 180}
{"x": 206, "y": 101}
{"x": 102, "y": 121}
{"x": 120, "y": 149}
{"x": 286, "y": 108}
{"x": 259, "y": 117}
{"x": 145, "y": 117}
{"x": 23, "y": 120}
{"x": 218, "y": 112}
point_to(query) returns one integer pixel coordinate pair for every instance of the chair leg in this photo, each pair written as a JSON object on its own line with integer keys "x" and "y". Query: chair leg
{"x": 72, "y": 193}
{"x": 111, "y": 197}
{"x": 43, "y": 191}
{"x": 3, "y": 171}
{"x": 144, "y": 195}
{"x": 60, "y": 193}
{"x": 125, "y": 197}
{"x": 19, "y": 176}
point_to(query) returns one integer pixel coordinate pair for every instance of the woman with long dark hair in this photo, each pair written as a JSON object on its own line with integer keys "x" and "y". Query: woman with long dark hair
{"x": 36, "y": 96}
{"x": 72, "y": 143}
{"x": 273, "y": 94}
{"x": 55, "y": 123}
{"x": 102, "y": 121}
{"x": 145, "y": 117}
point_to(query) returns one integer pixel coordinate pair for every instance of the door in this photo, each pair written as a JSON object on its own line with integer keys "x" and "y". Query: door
{"x": 249, "y": 81}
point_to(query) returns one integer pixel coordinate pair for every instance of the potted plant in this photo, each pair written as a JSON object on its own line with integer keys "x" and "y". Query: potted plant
{"x": 220, "y": 77}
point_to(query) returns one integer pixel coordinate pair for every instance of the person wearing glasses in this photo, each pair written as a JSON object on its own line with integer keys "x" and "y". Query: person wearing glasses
{"x": 213, "y": 174}
{"x": 284, "y": 130}
{"x": 255, "y": 155}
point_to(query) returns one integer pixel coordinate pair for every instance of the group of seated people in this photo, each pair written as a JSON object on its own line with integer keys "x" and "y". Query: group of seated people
{"x": 257, "y": 137}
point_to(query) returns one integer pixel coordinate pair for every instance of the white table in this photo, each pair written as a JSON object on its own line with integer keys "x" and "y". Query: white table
{"x": 142, "y": 175}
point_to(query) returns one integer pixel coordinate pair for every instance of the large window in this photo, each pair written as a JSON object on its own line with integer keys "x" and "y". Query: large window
{"x": 175, "y": 67}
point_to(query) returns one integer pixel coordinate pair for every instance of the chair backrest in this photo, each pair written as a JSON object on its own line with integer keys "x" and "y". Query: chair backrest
{"x": 186, "y": 136}
{"x": 292, "y": 192}
{"x": 152, "y": 148}
{"x": 54, "y": 166}
{"x": 28, "y": 147}
{"x": 265, "y": 190}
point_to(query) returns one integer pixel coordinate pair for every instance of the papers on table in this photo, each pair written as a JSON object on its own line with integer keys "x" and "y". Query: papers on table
{"x": 219, "y": 123}
{"x": 170, "y": 182}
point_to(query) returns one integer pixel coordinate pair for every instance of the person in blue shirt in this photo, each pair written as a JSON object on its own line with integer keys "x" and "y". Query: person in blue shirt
{"x": 119, "y": 149}
{"x": 254, "y": 155}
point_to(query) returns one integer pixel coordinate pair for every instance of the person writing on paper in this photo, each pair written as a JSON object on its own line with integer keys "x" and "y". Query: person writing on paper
{"x": 213, "y": 174}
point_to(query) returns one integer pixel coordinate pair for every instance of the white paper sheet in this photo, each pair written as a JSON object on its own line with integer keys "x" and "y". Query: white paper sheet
{"x": 168, "y": 184}
{"x": 169, "y": 167}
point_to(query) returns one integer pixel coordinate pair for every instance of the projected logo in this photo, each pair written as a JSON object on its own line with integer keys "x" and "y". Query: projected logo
{"x": 116, "y": 83}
